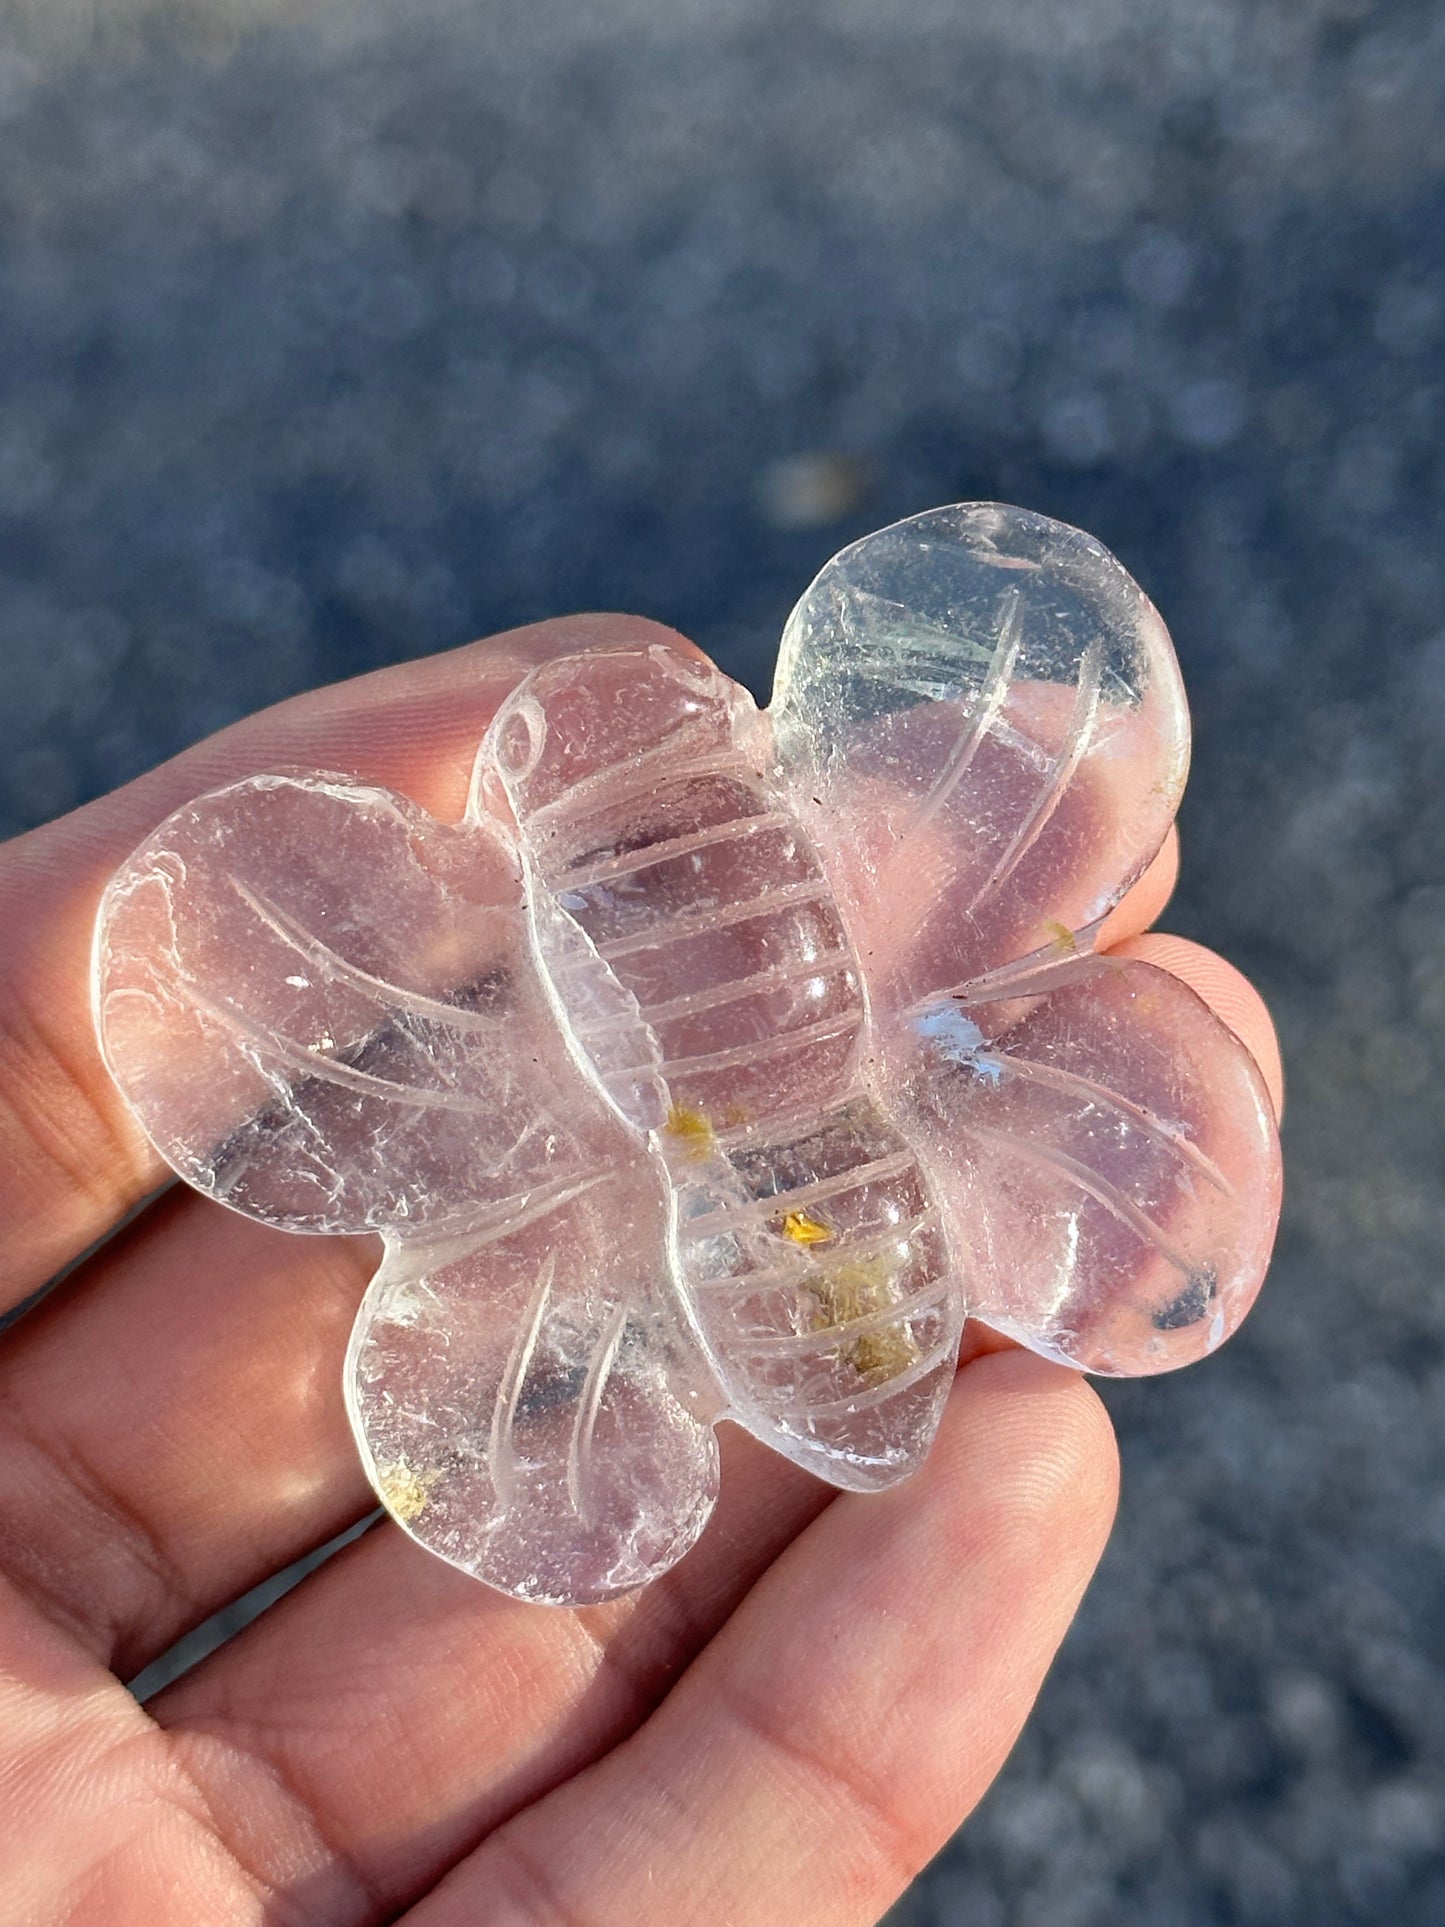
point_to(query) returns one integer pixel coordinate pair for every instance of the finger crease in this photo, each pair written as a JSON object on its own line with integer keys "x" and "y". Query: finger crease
{"x": 51, "y": 1112}
{"x": 259, "y": 1752}
{"x": 665, "y": 1624}
{"x": 162, "y": 1579}
{"x": 533, "y": 1886}
{"x": 897, "y": 1847}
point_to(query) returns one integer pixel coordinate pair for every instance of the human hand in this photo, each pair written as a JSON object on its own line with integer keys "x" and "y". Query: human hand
{"x": 785, "y": 1726}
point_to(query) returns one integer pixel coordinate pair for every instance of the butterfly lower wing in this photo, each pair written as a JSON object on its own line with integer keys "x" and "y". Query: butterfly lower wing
{"x": 1109, "y": 1159}
{"x": 528, "y": 1403}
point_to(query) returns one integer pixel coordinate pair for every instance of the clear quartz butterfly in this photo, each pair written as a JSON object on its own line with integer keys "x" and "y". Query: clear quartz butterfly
{"x": 717, "y": 1063}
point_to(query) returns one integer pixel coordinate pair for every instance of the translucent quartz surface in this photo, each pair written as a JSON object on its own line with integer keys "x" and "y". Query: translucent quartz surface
{"x": 809, "y": 1247}
{"x": 717, "y": 1063}
{"x": 981, "y": 723}
{"x": 324, "y": 1008}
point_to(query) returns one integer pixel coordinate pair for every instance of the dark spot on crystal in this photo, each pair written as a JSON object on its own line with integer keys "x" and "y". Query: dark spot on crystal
{"x": 380, "y": 1052}
{"x": 1191, "y": 1303}
{"x": 490, "y": 992}
{"x": 549, "y": 1391}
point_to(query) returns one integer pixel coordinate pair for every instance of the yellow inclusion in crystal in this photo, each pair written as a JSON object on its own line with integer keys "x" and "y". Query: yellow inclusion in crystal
{"x": 692, "y": 1131}
{"x": 855, "y": 1289}
{"x": 806, "y": 1230}
{"x": 403, "y": 1490}
{"x": 1062, "y": 938}
{"x": 883, "y": 1354}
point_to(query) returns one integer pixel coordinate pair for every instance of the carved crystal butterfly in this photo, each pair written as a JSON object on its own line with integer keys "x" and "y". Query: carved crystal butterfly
{"x": 717, "y": 1063}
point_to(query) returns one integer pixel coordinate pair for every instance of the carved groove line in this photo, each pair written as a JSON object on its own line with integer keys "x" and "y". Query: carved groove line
{"x": 1060, "y": 774}
{"x": 1093, "y": 1186}
{"x": 579, "y": 1450}
{"x": 980, "y": 720}
{"x": 322, "y": 957}
{"x": 501, "y": 1451}
{"x": 632, "y": 862}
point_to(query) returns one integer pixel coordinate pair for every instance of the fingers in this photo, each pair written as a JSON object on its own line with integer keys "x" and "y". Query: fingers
{"x": 72, "y": 1161}
{"x": 101, "y": 1825}
{"x": 382, "y": 1718}
{"x": 396, "y": 1713}
{"x": 173, "y": 1428}
{"x": 849, "y": 1716}
{"x": 1229, "y": 994}
{"x": 176, "y": 1434}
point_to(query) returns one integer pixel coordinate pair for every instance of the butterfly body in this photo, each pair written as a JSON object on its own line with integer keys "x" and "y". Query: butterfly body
{"x": 696, "y": 887}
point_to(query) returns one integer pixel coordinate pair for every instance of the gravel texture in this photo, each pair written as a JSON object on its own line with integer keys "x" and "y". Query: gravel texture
{"x": 332, "y": 334}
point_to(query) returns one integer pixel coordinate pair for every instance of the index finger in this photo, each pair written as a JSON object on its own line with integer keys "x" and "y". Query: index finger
{"x": 73, "y": 1161}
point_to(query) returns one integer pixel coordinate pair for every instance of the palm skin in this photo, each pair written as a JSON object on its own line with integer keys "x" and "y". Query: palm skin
{"x": 785, "y": 1727}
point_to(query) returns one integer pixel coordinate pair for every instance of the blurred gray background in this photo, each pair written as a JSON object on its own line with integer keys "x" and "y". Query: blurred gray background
{"x": 332, "y": 333}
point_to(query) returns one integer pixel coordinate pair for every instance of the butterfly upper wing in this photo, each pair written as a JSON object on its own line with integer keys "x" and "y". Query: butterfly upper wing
{"x": 305, "y": 987}
{"x": 979, "y": 716}
{"x": 323, "y": 1008}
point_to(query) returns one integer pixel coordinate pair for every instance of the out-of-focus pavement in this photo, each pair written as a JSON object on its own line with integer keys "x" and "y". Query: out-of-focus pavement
{"x": 332, "y": 333}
